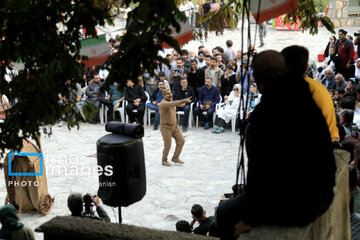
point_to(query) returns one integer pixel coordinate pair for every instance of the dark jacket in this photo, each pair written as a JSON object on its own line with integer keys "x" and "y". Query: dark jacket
{"x": 211, "y": 94}
{"x": 180, "y": 94}
{"x": 331, "y": 84}
{"x": 299, "y": 177}
{"x": 227, "y": 84}
{"x": 156, "y": 96}
{"x": 136, "y": 92}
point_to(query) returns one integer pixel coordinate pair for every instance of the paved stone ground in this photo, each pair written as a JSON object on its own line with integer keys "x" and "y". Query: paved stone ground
{"x": 210, "y": 159}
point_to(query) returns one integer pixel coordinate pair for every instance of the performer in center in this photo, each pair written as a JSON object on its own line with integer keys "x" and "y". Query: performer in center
{"x": 169, "y": 127}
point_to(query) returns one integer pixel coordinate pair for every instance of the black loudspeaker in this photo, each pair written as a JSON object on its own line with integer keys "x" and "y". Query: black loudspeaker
{"x": 122, "y": 178}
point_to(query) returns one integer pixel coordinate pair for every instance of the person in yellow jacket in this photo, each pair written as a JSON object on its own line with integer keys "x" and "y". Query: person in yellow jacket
{"x": 297, "y": 61}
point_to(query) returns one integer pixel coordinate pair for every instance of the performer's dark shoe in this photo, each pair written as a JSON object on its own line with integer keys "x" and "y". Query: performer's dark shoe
{"x": 166, "y": 163}
{"x": 177, "y": 161}
{"x": 261, "y": 45}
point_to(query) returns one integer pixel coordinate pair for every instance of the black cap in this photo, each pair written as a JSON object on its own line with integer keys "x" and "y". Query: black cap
{"x": 343, "y": 31}
{"x": 112, "y": 40}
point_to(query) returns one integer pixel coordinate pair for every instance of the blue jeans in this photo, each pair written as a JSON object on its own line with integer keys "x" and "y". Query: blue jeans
{"x": 186, "y": 110}
{"x": 210, "y": 113}
{"x": 157, "y": 115}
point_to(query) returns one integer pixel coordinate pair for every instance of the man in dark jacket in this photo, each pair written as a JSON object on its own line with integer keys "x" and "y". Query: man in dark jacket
{"x": 329, "y": 80}
{"x": 301, "y": 174}
{"x": 136, "y": 98}
{"x": 75, "y": 205}
{"x": 179, "y": 94}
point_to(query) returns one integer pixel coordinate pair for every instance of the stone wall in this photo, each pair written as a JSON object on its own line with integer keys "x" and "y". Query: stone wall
{"x": 338, "y": 13}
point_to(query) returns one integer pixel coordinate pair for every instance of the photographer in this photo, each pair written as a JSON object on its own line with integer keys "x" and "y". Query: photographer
{"x": 76, "y": 203}
{"x": 196, "y": 76}
{"x": 178, "y": 73}
{"x": 357, "y": 42}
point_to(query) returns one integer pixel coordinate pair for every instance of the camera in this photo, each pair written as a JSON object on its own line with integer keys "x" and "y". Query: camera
{"x": 356, "y": 34}
{"x": 88, "y": 204}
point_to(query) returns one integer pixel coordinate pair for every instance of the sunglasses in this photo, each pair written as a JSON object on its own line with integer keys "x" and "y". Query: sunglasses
{"x": 236, "y": 89}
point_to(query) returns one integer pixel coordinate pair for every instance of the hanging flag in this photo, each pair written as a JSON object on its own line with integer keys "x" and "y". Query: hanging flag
{"x": 271, "y": 8}
{"x": 183, "y": 36}
{"x": 96, "y": 49}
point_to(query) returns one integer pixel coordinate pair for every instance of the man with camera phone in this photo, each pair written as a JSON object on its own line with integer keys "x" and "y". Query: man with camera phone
{"x": 77, "y": 204}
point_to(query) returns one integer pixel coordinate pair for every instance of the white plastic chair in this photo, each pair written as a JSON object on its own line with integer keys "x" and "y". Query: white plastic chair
{"x": 179, "y": 113}
{"x": 205, "y": 113}
{"x": 135, "y": 110}
{"x": 233, "y": 120}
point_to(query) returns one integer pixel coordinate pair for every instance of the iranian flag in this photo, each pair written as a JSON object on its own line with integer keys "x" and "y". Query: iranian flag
{"x": 264, "y": 10}
{"x": 96, "y": 49}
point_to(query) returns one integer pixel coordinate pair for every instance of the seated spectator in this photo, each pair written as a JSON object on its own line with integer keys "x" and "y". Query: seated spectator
{"x": 354, "y": 188}
{"x": 93, "y": 94}
{"x": 354, "y": 222}
{"x": 328, "y": 80}
{"x": 346, "y": 120}
{"x": 4, "y": 106}
{"x": 155, "y": 99}
{"x": 74, "y": 96}
{"x": 166, "y": 69}
{"x": 338, "y": 96}
{"x": 199, "y": 215}
{"x": 229, "y": 110}
{"x": 183, "y": 226}
{"x": 116, "y": 96}
{"x": 136, "y": 98}
{"x": 227, "y": 81}
{"x": 75, "y": 204}
{"x": 262, "y": 138}
{"x": 185, "y": 92}
{"x": 349, "y": 102}
{"x": 340, "y": 81}
{"x": 11, "y": 228}
{"x": 350, "y": 84}
{"x": 332, "y": 61}
{"x": 357, "y": 69}
{"x": 207, "y": 100}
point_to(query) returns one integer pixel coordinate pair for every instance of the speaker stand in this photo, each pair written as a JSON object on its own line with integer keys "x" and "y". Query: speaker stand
{"x": 120, "y": 218}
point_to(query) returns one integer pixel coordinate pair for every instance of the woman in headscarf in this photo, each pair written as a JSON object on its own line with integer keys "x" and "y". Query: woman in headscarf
{"x": 229, "y": 110}
{"x": 11, "y": 228}
{"x": 357, "y": 69}
{"x": 332, "y": 41}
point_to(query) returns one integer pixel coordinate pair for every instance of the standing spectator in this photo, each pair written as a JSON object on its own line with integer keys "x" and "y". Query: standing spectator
{"x": 229, "y": 52}
{"x": 199, "y": 215}
{"x": 185, "y": 55}
{"x": 192, "y": 11}
{"x": 11, "y": 228}
{"x": 214, "y": 73}
{"x": 207, "y": 100}
{"x": 184, "y": 7}
{"x": 135, "y": 96}
{"x": 162, "y": 77}
{"x": 331, "y": 43}
{"x": 178, "y": 73}
{"x": 214, "y": 6}
{"x": 166, "y": 69}
{"x": 262, "y": 33}
{"x": 328, "y": 80}
{"x": 155, "y": 100}
{"x": 220, "y": 64}
{"x": 205, "y": 9}
{"x": 238, "y": 59}
{"x": 180, "y": 94}
{"x": 201, "y": 59}
{"x": 340, "y": 81}
{"x": 4, "y": 105}
{"x": 195, "y": 76}
{"x": 357, "y": 42}
{"x": 192, "y": 55}
{"x": 207, "y": 62}
{"x": 227, "y": 81}
{"x": 345, "y": 50}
